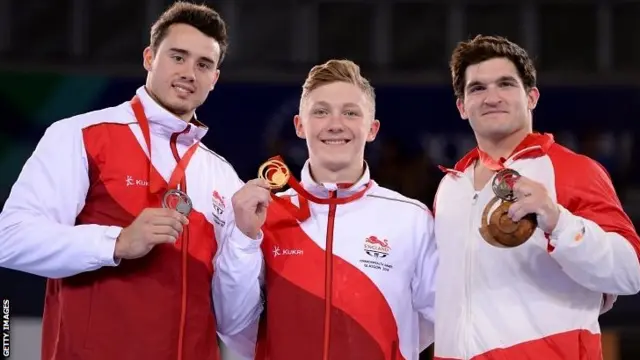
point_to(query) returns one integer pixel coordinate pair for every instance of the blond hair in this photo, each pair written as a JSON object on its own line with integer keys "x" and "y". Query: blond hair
{"x": 337, "y": 71}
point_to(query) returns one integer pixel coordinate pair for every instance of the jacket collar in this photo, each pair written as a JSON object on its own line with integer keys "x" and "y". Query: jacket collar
{"x": 322, "y": 190}
{"x": 166, "y": 124}
{"x": 532, "y": 146}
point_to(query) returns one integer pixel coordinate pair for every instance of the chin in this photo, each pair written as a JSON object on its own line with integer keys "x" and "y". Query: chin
{"x": 498, "y": 134}
{"x": 179, "y": 107}
{"x": 174, "y": 106}
{"x": 336, "y": 163}
{"x": 178, "y": 111}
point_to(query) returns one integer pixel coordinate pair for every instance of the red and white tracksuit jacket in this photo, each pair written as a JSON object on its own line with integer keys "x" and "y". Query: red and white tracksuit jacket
{"x": 540, "y": 300}
{"x": 87, "y": 179}
{"x": 347, "y": 274}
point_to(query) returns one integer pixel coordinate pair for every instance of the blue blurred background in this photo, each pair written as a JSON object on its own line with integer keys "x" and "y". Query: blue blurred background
{"x": 66, "y": 57}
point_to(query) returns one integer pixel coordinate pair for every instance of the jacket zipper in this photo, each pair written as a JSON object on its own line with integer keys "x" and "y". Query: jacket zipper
{"x": 469, "y": 252}
{"x": 469, "y": 258}
{"x": 184, "y": 252}
{"x": 328, "y": 276}
{"x": 467, "y": 315}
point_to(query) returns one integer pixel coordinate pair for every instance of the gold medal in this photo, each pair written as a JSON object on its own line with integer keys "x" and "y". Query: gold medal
{"x": 275, "y": 173}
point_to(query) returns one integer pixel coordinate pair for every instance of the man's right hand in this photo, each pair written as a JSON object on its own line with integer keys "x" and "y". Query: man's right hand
{"x": 250, "y": 206}
{"x": 152, "y": 227}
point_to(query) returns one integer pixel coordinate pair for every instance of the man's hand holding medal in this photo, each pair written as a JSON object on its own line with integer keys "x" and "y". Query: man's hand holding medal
{"x": 533, "y": 198}
{"x": 152, "y": 227}
{"x": 250, "y": 203}
{"x": 524, "y": 205}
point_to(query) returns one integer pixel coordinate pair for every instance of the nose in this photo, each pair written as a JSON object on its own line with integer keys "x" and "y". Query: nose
{"x": 187, "y": 72}
{"x": 336, "y": 124}
{"x": 492, "y": 96}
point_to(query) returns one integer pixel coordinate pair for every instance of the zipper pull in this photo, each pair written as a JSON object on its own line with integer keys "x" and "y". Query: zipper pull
{"x": 475, "y": 199}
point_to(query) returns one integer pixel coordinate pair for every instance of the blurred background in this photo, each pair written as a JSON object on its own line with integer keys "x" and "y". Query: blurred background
{"x": 64, "y": 57}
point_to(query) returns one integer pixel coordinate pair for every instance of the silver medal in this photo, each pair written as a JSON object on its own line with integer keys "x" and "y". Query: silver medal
{"x": 178, "y": 201}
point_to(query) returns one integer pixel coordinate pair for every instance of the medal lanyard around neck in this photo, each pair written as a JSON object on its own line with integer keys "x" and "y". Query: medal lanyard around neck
{"x": 178, "y": 173}
{"x": 504, "y": 179}
{"x": 489, "y": 162}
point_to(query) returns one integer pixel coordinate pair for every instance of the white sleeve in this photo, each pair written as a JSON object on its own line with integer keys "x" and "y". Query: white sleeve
{"x": 594, "y": 241}
{"x": 424, "y": 279}
{"x": 594, "y": 258}
{"x": 37, "y": 232}
{"x": 237, "y": 284}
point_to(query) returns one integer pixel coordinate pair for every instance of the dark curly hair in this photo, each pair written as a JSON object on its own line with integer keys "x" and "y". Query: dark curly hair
{"x": 482, "y": 48}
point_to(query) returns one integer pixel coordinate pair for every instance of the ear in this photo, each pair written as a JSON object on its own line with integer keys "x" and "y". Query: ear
{"x": 461, "y": 110}
{"x": 216, "y": 76}
{"x": 532, "y": 98}
{"x": 297, "y": 123}
{"x": 147, "y": 58}
{"x": 373, "y": 130}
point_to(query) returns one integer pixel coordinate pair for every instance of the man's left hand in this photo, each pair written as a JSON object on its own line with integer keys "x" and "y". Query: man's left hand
{"x": 532, "y": 198}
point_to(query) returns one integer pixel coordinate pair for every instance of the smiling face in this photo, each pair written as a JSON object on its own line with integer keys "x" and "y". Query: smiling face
{"x": 337, "y": 121}
{"x": 336, "y": 118}
{"x": 495, "y": 101}
{"x": 183, "y": 69}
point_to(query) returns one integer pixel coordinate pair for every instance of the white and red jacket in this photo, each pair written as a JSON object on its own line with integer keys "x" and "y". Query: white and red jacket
{"x": 348, "y": 273}
{"x": 540, "y": 300}
{"x": 88, "y": 178}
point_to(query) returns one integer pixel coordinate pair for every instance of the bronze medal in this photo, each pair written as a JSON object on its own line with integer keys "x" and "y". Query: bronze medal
{"x": 497, "y": 228}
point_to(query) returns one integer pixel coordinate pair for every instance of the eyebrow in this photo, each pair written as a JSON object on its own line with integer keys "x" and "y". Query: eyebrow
{"x": 187, "y": 53}
{"x": 500, "y": 79}
{"x": 324, "y": 103}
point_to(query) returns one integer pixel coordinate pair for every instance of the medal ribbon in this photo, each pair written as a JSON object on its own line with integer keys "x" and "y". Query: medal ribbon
{"x": 489, "y": 162}
{"x": 302, "y": 212}
{"x": 504, "y": 178}
{"x": 178, "y": 173}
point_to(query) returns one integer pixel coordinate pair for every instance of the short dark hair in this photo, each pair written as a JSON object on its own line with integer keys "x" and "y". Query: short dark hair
{"x": 483, "y": 48}
{"x": 201, "y": 17}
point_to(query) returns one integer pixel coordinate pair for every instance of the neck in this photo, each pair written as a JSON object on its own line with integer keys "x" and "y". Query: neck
{"x": 184, "y": 117}
{"x": 348, "y": 175}
{"x": 504, "y": 147}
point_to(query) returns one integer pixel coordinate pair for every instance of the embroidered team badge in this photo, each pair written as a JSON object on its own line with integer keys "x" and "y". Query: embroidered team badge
{"x": 378, "y": 249}
{"x": 218, "y": 207}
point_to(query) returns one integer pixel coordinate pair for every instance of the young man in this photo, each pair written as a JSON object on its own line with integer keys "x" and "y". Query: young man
{"x": 348, "y": 265}
{"x": 129, "y": 278}
{"x": 531, "y": 281}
